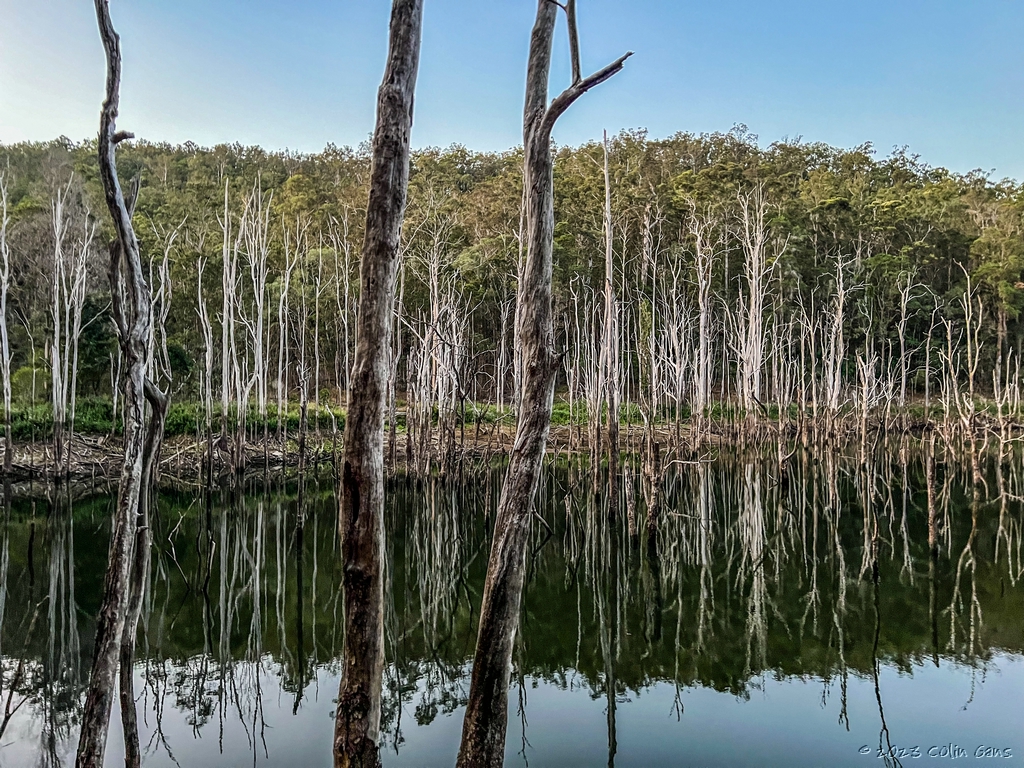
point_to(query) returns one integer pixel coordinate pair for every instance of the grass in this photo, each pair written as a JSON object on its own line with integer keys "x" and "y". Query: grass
{"x": 94, "y": 416}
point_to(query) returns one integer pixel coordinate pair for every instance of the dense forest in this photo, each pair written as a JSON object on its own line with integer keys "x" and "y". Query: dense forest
{"x": 792, "y": 276}
{"x": 724, "y": 326}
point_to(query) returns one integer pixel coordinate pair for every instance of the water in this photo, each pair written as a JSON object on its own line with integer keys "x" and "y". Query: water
{"x": 754, "y": 633}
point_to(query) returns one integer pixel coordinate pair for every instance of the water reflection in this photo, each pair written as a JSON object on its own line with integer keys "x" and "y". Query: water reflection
{"x": 770, "y": 609}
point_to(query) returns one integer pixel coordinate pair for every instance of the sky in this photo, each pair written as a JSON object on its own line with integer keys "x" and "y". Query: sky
{"x": 942, "y": 77}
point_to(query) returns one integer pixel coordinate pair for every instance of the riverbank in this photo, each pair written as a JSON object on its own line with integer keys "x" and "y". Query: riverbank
{"x": 189, "y": 459}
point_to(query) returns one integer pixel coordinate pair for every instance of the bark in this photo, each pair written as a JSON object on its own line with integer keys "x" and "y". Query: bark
{"x": 158, "y": 404}
{"x": 5, "y": 347}
{"x": 751, "y": 326}
{"x": 361, "y": 517}
{"x": 610, "y": 345}
{"x": 483, "y": 731}
{"x": 130, "y": 300}
{"x": 206, "y": 327}
{"x": 701, "y": 227}
{"x": 283, "y": 311}
{"x": 70, "y": 254}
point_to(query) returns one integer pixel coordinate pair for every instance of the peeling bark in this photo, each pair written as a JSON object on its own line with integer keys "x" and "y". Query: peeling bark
{"x": 361, "y": 517}
{"x": 5, "y": 347}
{"x": 130, "y": 307}
{"x": 483, "y": 731}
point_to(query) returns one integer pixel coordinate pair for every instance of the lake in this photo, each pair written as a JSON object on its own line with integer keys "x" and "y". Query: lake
{"x": 788, "y": 611}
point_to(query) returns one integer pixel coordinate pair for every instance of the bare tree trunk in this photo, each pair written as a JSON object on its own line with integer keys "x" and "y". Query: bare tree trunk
{"x": 128, "y": 285}
{"x": 207, "y": 330}
{"x": 610, "y": 345}
{"x": 703, "y": 265}
{"x": 283, "y": 310}
{"x": 229, "y": 353}
{"x": 483, "y": 731}
{"x": 67, "y": 295}
{"x": 255, "y": 233}
{"x": 5, "y": 346}
{"x": 75, "y": 300}
{"x": 361, "y": 517}
{"x": 757, "y": 269}
{"x": 158, "y": 403}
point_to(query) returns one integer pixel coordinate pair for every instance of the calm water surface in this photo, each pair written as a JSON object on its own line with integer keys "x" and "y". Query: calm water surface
{"x": 784, "y": 615}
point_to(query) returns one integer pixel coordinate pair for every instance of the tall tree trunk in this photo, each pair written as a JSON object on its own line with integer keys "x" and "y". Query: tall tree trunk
{"x": 5, "y": 347}
{"x": 158, "y": 404}
{"x": 361, "y": 517}
{"x": 130, "y": 307}
{"x": 610, "y": 346}
{"x": 133, "y": 329}
{"x": 483, "y": 731}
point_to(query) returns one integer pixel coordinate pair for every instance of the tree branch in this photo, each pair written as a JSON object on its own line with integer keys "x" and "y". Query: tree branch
{"x": 574, "y": 91}
{"x": 574, "y": 40}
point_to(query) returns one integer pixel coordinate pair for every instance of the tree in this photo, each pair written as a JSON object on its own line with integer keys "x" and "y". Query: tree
{"x": 361, "y": 515}
{"x": 119, "y": 610}
{"x": 483, "y": 731}
{"x": 5, "y": 346}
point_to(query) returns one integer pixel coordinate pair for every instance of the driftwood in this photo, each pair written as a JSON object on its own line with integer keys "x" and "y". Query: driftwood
{"x": 483, "y": 731}
{"x": 361, "y": 515}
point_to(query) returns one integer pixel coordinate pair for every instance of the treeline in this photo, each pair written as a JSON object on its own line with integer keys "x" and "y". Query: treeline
{"x": 738, "y": 279}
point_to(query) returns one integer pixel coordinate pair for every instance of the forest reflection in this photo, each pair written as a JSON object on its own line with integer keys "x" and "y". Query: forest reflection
{"x": 756, "y": 566}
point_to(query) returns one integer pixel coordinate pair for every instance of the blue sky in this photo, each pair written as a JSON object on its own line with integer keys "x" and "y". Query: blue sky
{"x": 944, "y": 77}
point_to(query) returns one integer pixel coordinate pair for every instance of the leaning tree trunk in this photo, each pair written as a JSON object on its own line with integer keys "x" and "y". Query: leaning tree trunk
{"x": 483, "y": 731}
{"x": 361, "y": 517}
{"x": 130, "y": 307}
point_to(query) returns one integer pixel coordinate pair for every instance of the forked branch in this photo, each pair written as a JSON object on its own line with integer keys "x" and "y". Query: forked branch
{"x": 567, "y": 97}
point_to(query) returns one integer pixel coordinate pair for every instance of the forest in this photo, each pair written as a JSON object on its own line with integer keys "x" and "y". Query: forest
{"x": 437, "y": 400}
{"x": 795, "y": 281}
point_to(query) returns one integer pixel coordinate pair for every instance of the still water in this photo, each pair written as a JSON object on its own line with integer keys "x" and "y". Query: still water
{"x": 784, "y": 614}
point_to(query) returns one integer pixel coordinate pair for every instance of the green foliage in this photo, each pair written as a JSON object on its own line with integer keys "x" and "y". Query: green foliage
{"x": 563, "y": 413}
{"x": 25, "y": 381}
{"x": 32, "y": 422}
{"x": 880, "y": 223}
{"x": 183, "y": 418}
{"x": 94, "y": 416}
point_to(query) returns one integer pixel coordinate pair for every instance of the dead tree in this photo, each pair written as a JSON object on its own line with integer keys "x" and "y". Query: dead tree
{"x": 230, "y": 377}
{"x": 610, "y": 342}
{"x": 5, "y": 346}
{"x": 361, "y": 516}
{"x": 206, "y": 328}
{"x": 758, "y": 265}
{"x": 702, "y": 226}
{"x": 292, "y": 254}
{"x": 67, "y": 300}
{"x": 483, "y": 731}
{"x": 130, "y": 307}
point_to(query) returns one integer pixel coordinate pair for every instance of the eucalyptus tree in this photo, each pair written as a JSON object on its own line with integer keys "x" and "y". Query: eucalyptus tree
{"x": 121, "y": 603}
{"x": 483, "y": 731}
{"x": 702, "y": 227}
{"x": 610, "y": 337}
{"x": 5, "y": 344}
{"x": 73, "y": 236}
{"x": 361, "y": 513}
{"x": 758, "y": 265}
{"x": 206, "y": 329}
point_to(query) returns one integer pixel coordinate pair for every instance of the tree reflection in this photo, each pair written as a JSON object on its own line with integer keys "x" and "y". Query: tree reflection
{"x": 752, "y": 565}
